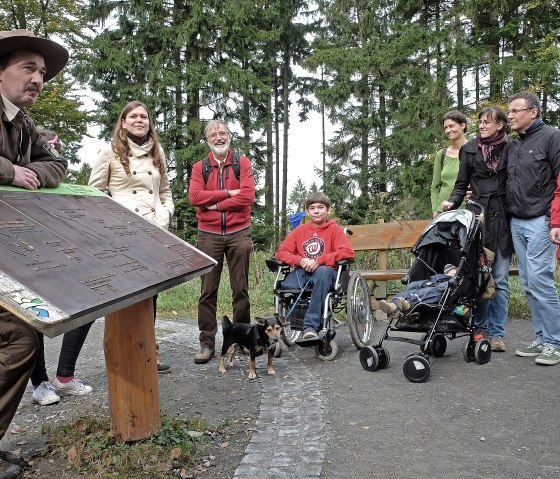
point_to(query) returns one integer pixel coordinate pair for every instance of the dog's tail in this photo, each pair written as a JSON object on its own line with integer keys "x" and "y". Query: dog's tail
{"x": 226, "y": 325}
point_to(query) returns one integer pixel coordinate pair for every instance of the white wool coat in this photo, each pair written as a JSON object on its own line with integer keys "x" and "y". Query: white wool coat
{"x": 143, "y": 191}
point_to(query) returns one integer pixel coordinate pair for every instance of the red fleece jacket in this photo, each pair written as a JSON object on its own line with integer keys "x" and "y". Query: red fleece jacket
{"x": 234, "y": 214}
{"x": 326, "y": 243}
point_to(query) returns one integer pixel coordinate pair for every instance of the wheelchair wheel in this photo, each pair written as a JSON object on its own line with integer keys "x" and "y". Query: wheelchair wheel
{"x": 289, "y": 335}
{"x": 327, "y": 351}
{"x": 358, "y": 312}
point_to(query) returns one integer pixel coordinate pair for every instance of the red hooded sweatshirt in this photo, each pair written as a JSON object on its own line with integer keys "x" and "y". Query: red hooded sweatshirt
{"x": 325, "y": 243}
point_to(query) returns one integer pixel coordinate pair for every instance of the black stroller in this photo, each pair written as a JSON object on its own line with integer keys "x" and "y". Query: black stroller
{"x": 454, "y": 237}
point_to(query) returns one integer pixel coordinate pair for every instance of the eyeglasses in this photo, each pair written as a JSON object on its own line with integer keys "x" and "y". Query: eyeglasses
{"x": 515, "y": 111}
{"x": 221, "y": 134}
{"x": 485, "y": 122}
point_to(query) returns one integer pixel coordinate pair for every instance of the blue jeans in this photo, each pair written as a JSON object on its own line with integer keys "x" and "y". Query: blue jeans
{"x": 322, "y": 281}
{"x": 492, "y": 314}
{"x": 536, "y": 256}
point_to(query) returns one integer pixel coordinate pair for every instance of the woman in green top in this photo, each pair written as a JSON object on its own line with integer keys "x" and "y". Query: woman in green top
{"x": 446, "y": 169}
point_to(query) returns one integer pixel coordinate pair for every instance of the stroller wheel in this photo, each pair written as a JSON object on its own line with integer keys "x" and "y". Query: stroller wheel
{"x": 369, "y": 359}
{"x": 384, "y": 357}
{"x": 327, "y": 351}
{"x": 439, "y": 345}
{"x": 468, "y": 351}
{"x": 482, "y": 351}
{"x": 436, "y": 346}
{"x": 416, "y": 368}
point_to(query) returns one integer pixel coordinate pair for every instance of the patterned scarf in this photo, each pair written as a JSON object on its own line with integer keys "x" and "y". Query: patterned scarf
{"x": 491, "y": 148}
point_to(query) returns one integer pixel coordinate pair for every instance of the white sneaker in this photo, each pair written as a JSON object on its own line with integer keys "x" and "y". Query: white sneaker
{"x": 75, "y": 387}
{"x": 45, "y": 394}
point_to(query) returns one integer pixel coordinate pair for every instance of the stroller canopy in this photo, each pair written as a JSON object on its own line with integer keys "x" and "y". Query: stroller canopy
{"x": 452, "y": 228}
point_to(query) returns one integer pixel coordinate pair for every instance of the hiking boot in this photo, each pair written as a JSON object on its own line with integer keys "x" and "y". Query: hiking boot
{"x": 163, "y": 368}
{"x": 10, "y": 471}
{"x": 480, "y": 334}
{"x": 550, "y": 355}
{"x": 497, "y": 344}
{"x": 310, "y": 333}
{"x": 204, "y": 355}
{"x": 45, "y": 394}
{"x": 531, "y": 351}
{"x": 74, "y": 387}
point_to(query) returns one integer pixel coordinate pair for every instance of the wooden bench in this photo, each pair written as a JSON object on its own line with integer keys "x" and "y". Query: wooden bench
{"x": 384, "y": 237}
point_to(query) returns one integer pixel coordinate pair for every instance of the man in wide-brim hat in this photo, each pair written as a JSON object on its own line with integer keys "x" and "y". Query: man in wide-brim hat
{"x": 54, "y": 54}
{"x": 27, "y": 160}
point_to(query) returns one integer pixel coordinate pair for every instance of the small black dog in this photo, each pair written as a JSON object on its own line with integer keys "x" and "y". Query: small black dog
{"x": 252, "y": 338}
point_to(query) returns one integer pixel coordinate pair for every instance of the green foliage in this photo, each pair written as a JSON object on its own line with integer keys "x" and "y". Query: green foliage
{"x": 78, "y": 177}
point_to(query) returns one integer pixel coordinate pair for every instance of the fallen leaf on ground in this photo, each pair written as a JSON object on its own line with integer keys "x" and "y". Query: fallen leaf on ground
{"x": 175, "y": 452}
{"x": 224, "y": 444}
{"x": 72, "y": 454}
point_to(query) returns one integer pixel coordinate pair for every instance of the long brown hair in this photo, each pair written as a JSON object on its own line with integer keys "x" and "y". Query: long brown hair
{"x": 120, "y": 140}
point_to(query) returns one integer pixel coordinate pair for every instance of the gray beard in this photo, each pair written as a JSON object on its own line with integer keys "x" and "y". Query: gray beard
{"x": 220, "y": 150}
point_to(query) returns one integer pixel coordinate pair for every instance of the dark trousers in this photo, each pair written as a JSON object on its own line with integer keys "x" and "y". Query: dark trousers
{"x": 18, "y": 348}
{"x": 236, "y": 248}
{"x": 72, "y": 343}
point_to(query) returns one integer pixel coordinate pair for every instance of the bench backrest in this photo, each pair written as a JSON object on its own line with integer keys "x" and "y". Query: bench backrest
{"x": 386, "y": 236}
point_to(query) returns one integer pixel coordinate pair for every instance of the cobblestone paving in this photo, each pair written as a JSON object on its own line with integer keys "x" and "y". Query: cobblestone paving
{"x": 290, "y": 439}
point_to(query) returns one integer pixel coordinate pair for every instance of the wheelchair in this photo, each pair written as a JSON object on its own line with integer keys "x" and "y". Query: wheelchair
{"x": 349, "y": 296}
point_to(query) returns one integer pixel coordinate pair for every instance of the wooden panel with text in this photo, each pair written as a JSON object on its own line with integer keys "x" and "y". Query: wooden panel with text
{"x": 69, "y": 255}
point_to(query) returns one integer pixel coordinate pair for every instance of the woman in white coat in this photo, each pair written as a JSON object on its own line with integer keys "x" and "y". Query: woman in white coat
{"x": 132, "y": 167}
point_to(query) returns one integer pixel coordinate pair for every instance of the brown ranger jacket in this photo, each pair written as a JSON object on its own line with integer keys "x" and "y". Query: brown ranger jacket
{"x": 39, "y": 157}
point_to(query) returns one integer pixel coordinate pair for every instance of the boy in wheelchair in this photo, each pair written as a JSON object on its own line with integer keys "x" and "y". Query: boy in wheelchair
{"x": 313, "y": 249}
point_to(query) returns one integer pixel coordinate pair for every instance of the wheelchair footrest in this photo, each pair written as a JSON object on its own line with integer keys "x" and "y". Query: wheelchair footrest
{"x": 307, "y": 343}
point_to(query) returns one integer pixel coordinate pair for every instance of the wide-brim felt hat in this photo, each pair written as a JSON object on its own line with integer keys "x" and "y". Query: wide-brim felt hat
{"x": 55, "y": 55}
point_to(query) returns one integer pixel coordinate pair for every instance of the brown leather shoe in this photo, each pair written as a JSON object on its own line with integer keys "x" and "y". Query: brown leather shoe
{"x": 10, "y": 471}
{"x": 497, "y": 344}
{"x": 204, "y": 355}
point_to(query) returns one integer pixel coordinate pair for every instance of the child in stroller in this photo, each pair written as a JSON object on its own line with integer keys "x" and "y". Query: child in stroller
{"x": 449, "y": 309}
{"x": 419, "y": 292}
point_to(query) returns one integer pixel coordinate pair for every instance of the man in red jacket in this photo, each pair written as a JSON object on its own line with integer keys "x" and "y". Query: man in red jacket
{"x": 313, "y": 249}
{"x": 223, "y": 189}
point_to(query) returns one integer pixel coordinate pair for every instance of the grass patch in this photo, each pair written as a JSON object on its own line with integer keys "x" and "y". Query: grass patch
{"x": 90, "y": 449}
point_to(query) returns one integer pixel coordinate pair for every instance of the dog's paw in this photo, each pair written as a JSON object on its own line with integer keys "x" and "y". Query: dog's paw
{"x": 252, "y": 375}
{"x": 222, "y": 370}
{"x": 270, "y": 371}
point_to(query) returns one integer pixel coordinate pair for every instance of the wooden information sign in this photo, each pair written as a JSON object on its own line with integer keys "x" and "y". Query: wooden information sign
{"x": 70, "y": 255}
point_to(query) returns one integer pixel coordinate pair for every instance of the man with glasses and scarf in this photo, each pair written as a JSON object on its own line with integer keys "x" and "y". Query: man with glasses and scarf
{"x": 28, "y": 161}
{"x": 533, "y": 167}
